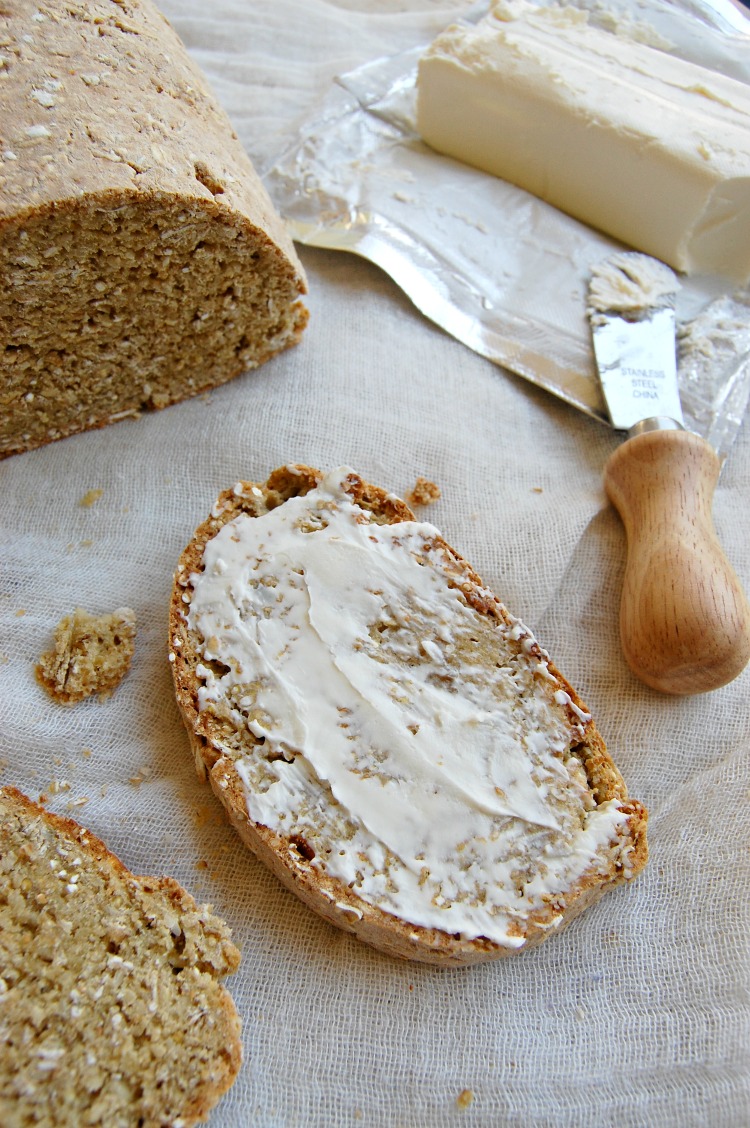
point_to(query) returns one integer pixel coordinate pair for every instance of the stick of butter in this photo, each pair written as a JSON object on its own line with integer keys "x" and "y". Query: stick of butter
{"x": 649, "y": 148}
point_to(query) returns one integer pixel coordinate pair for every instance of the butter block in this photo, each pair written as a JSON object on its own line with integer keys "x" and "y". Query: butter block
{"x": 648, "y": 148}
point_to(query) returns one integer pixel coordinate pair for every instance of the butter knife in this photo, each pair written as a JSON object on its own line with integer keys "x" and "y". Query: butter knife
{"x": 684, "y": 617}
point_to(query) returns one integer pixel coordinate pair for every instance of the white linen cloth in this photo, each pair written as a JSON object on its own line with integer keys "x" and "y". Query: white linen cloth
{"x": 639, "y": 1015}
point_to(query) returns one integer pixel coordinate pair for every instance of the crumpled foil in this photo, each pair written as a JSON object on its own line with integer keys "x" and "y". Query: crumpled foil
{"x": 494, "y": 266}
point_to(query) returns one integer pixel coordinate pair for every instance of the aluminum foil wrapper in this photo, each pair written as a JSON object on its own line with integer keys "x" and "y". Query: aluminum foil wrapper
{"x": 494, "y": 266}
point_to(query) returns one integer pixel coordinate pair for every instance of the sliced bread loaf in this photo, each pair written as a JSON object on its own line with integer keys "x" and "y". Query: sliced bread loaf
{"x": 141, "y": 259}
{"x": 111, "y": 1009}
{"x": 391, "y": 741}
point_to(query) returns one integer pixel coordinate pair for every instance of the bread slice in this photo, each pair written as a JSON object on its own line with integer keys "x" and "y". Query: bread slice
{"x": 111, "y": 1009}
{"x": 141, "y": 259}
{"x": 384, "y": 735}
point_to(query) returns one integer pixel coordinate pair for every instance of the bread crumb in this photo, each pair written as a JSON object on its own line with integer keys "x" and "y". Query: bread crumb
{"x": 464, "y": 1098}
{"x": 425, "y": 492}
{"x": 90, "y": 498}
{"x": 140, "y": 777}
{"x": 91, "y": 655}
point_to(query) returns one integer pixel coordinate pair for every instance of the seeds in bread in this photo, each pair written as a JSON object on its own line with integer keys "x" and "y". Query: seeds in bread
{"x": 383, "y": 733}
{"x": 141, "y": 259}
{"x": 111, "y": 1008}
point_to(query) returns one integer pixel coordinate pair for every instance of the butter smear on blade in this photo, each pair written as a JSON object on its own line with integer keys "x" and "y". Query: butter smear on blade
{"x": 631, "y": 284}
{"x": 421, "y": 748}
{"x": 648, "y": 148}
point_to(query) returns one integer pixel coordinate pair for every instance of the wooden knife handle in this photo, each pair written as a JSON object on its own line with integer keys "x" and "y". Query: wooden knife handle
{"x": 684, "y": 618}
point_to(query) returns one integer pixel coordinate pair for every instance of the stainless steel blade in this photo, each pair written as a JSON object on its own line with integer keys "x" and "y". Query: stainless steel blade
{"x": 632, "y": 312}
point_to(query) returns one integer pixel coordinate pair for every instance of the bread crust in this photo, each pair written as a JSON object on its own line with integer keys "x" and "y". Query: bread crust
{"x": 208, "y": 955}
{"x": 328, "y": 897}
{"x": 141, "y": 258}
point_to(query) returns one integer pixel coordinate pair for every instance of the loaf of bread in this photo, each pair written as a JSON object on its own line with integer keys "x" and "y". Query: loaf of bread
{"x": 141, "y": 259}
{"x": 111, "y": 1007}
{"x": 384, "y": 735}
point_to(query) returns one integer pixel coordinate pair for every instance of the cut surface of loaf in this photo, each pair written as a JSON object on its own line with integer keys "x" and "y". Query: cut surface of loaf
{"x": 112, "y": 1012}
{"x": 141, "y": 259}
{"x": 384, "y": 735}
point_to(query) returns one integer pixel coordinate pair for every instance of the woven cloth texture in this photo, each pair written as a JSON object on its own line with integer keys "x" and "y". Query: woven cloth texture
{"x": 639, "y": 1014}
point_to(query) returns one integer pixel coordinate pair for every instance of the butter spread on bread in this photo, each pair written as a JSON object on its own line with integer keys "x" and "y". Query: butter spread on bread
{"x": 374, "y": 717}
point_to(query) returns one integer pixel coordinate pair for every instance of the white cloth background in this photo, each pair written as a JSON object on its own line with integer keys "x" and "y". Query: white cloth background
{"x": 638, "y": 1015}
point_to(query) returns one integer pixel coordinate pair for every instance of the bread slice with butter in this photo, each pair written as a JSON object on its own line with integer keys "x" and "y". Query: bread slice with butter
{"x": 384, "y": 735}
{"x": 112, "y": 1009}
